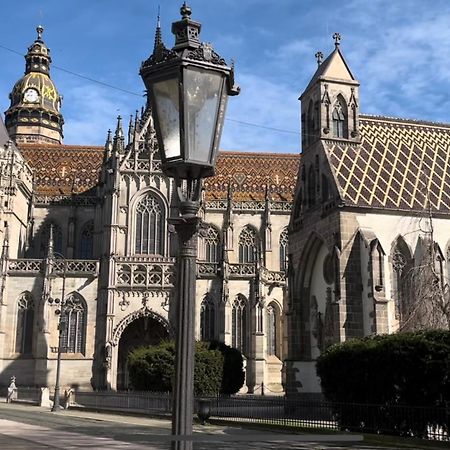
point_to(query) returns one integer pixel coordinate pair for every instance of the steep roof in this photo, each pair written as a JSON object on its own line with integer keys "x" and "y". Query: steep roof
{"x": 72, "y": 169}
{"x": 63, "y": 169}
{"x": 250, "y": 173}
{"x": 334, "y": 67}
{"x": 398, "y": 165}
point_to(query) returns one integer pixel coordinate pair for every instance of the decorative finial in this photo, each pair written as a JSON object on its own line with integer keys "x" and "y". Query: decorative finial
{"x": 40, "y": 30}
{"x": 185, "y": 11}
{"x": 158, "y": 36}
{"x": 337, "y": 39}
{"x": 319, "y": 57}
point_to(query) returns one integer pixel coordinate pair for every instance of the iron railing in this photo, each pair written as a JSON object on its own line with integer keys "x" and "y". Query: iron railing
{"x": 423, "y": 422}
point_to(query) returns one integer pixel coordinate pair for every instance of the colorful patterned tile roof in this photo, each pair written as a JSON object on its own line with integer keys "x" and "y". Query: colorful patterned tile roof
{"x": 72, "y": 169}
{"x": 250, "y": 173}
{"x": 63, "y": 169}
{"x": 398, "y": 165}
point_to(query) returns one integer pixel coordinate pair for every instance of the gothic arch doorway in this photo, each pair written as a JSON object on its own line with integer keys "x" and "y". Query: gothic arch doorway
{"x": 143, "y": 331}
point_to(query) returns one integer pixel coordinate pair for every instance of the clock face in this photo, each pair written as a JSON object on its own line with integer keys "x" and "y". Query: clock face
{"x": 31, "y": 96}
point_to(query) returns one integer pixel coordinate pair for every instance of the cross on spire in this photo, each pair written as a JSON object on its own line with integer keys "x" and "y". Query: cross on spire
{"x": 337, "y": 39}
{"x": 40, "y": 30}
{"x": 319, "y": 57}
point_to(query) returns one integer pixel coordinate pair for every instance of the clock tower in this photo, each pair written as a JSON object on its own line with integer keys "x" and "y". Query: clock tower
{"x": 34, "y": 114}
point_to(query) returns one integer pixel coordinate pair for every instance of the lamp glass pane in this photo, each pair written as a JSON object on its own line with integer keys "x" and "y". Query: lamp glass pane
{"x": 202, "y": 94}
{"x": 167, "y": 99}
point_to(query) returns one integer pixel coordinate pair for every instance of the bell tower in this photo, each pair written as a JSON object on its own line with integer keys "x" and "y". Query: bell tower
{"x": 34, "y": 114}
{"x": 329, "y": 104}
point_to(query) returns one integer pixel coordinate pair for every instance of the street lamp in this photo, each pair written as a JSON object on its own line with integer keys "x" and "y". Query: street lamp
{"x": 60, "y": 311}
{"x": 188, "y": 88}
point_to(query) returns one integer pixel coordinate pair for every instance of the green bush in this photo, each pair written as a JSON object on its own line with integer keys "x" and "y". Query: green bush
{"x": 403, "y": 368}
{"x": 233, "y": 368}
{"x": 410, "y": 369}
{"x": 153, "y": 368}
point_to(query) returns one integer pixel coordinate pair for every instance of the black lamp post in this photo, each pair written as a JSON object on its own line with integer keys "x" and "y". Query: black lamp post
{"x": 188, "y": 88}
{"x": 62, "y": 325}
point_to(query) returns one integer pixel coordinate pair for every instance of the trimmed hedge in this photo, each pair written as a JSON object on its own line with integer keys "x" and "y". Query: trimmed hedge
{"x": 410, "y": 369}
{"x": 218, "y": 368}
{"x": 404, "y": 368}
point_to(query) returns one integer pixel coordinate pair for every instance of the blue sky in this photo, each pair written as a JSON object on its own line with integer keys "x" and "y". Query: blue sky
{"x": 398, "y": 50}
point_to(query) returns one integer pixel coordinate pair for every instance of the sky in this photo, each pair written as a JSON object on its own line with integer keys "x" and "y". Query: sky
{"x": 399, "y": 50}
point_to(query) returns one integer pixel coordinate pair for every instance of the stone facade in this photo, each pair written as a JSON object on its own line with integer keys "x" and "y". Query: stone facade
{"x": 369, "y": 224}
{"x": 111, "y": 256}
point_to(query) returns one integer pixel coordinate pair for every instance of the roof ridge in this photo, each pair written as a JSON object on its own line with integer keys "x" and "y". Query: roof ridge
{"x": 377, "y": 117}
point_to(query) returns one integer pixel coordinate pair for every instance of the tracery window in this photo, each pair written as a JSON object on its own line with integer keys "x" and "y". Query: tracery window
{"x": 439, "y": 264}
{"x": 73, "y": 320}
{"x": 248, "y": 245}
{"x": 87, "y": 241}
{"x": 271, "y": 330}
{"x": 25, "y": 319}
{"x": 283, "y": 249}
{"x": 311, "y": 186}
{"x": 212, "y": 245}
{"x": 149, "y": 228}
{"x": 239, "y": 323}
{"x": 401, "y": 263}
{"x": 207, "y": 319}
{"x": 45, "y": 238}
{"x": 339, "y": 118}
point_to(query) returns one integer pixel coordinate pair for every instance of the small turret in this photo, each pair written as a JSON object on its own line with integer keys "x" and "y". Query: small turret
{"x": 119, "y": 140}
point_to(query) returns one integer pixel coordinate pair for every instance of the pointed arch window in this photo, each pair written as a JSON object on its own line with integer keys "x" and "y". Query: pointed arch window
{"x": 73, "y": 320}
{"x": 311, "y": 186}
{"x": 25, "y": 321}
{"x": 87, "y": 241}
{"x": 45, "y": 238}
{"x": 212, "y": 245}
{"x": 283, "y": 249}
{"x": 339, "y": 117}
{"x": 207, "y": 319}
{"x": 248, "y": 245}
{"x": 310, "y": 127}
{"x": 271, "y": 330}
{"x": 439, "y": 264}
{"x": 239, "y": 323}
{"x": 401, "y": 264}
{"x": 149, "y": 228}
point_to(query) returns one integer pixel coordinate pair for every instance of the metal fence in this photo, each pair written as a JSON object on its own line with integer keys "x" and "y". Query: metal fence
{"x": 28, "y": 394}
{"x": 422, "y": 422}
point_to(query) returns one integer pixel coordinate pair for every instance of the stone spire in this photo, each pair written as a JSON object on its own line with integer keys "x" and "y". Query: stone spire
{"x": 119, "y": 140}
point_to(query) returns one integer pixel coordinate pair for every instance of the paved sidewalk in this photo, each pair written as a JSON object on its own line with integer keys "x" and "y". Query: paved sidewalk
{"x": 31, "y": 427}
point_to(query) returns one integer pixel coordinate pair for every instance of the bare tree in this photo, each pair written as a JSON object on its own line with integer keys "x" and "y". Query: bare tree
{"x": 424, "y": 300}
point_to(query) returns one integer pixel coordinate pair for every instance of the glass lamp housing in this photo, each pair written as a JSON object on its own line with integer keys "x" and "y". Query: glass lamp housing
{"x": 189, "y": 108}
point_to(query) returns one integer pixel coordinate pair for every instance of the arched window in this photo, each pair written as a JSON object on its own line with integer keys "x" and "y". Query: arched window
{"x": 45, "y": 237}
{"x": 25, "y": 319}
{"x": 239, "y": 323}
{"x": 87, "y": 241}
{"x": 149, "y": 228}
{"x": 271, "y": 329}
{"x": 283, "y": 249}
{"x": 311, "y": 186}
{"x": 207, "y": 319}
{"x": 339, "y": 117}
{"x": 439, "y": 264}
{"x": 310, "y": 130}
{"x": 73, "y": 321}
{"x": 401, "y": 264}
{"x": 212, "y": 245}
{"x": 248, "y": 245}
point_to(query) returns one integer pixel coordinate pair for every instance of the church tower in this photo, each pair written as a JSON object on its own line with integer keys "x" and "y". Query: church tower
{"x": 330, "y": 107}
{"x": 34, "y": 114}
